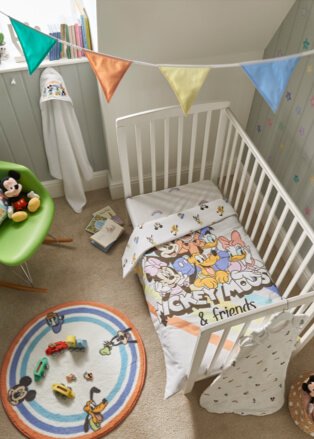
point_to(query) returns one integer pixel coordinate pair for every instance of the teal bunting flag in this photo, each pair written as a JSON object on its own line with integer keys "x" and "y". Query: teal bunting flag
{"x": 271, "y": 78}
{"x": 35, "y": 44}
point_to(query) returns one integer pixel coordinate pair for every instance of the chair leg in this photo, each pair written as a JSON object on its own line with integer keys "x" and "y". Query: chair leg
{"x": 22, "y": 287}
{"x": 27, "y": 275}
{"x": 50, "y": 240}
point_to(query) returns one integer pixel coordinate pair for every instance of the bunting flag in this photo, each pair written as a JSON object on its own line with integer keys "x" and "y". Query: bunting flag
{"x": 35, "y": 44}
{"x": 108, "y": 70}
{"x": 271, "y": 78}
{"x": 186, "y": 83}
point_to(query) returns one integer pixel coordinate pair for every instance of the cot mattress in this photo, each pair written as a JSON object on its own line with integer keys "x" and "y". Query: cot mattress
{"x": 156, "y": 205}
{"x": 197, "y": 266}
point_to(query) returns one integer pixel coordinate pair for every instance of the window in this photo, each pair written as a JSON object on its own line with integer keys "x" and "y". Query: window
{"x": 43, "y": 13}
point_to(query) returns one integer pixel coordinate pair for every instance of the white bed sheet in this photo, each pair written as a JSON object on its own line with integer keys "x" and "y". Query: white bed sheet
{"x": 160, "y": 204}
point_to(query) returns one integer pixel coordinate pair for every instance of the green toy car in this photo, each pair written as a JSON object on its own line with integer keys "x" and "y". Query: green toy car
{"x": 63, "y": 391}
{"x": 40, "y": 370}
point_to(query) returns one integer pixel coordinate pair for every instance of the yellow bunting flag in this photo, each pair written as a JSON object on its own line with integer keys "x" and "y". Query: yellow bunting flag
{"x": 108, "y": 70}
{"x": 186, "y": 83}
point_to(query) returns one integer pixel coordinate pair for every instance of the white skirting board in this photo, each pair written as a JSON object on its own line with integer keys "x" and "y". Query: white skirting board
{"x": 99, "y": 181}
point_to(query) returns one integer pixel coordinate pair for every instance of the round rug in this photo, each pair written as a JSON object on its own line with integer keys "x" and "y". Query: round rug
{"x": 106, "y": 378}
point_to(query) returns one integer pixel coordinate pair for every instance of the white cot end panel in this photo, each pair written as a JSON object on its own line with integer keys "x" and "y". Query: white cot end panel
{"x": 157, "y": 205}
{"x": 162, "y": 148}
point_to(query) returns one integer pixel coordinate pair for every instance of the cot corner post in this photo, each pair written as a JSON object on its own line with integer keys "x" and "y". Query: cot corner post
{"x": 219, "y": 146}
{"x": 198, "y": 354}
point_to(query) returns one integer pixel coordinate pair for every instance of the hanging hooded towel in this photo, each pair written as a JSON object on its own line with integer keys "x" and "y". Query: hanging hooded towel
{"x": 64, "y": 144}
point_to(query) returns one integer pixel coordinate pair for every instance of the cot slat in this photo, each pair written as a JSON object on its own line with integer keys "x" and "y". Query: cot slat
{"x": 234, "y": 180}
{"x": 248, "y": 191}
{"x": 192, "y": 148}
{"x": 152, "y": 135}
{"x": 205, "y": 144}
{"x": 246, "y": 164}
{"x": 179, "y": 151}
{"x": 291, "y": 258}
{"x": 219, "y": 146}
{"x": 235, "y": 139}
{"x": 241, "y": 334}
{"x": 253, "y": 205}
{"x": 269, "y": 220}
{"x": 281, "y": 220}
{"x": 166, "y": 153}
{"x": 299, "y": 271}
{"x": 283, "y": 245}
{"x": 219, "y": 348}
{"x": 225, "y": 153}
{"x": 138, "y": 141}
{"x": 262, "y": 210}
{"x": 124, "y": 158}
{"x": 305, "y": 290}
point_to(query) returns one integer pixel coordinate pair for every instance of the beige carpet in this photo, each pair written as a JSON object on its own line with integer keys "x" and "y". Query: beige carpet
{"x": 81, "y": 272}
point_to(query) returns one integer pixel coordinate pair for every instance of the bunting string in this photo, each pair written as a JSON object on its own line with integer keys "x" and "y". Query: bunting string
{"x": 270, "y": 76}
{"x": 149, "y": 64}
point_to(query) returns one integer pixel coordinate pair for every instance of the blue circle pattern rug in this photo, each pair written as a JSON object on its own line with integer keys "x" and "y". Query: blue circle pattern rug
{"x": 100, "y": 365}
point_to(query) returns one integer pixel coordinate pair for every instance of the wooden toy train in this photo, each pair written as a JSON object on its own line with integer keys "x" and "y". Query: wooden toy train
{"x": 71, "y": 343}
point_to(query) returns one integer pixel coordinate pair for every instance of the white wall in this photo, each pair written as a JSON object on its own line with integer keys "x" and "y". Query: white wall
{"x": 182, "y": 32}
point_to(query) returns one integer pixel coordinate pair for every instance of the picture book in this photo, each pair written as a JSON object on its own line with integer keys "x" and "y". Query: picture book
{"x": 96, "y": 223}
{"x": 108, "y": 212}
{"x": 100, "y": 217}
{"x": 107, "y": 235}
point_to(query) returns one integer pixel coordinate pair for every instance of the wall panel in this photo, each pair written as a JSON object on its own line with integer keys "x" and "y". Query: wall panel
{"x": 21, "y": 137}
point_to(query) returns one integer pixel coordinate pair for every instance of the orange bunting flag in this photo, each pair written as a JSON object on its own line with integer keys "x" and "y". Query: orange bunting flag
{"x": 108, "y": 70}
{"x": 186, "y": 83}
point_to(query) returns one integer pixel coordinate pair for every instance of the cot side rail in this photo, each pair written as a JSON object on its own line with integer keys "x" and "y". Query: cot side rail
{"x": 292, "y": 304}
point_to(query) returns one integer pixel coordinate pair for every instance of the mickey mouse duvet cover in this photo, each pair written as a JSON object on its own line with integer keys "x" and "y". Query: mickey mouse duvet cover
{"x": 196, "y": 267}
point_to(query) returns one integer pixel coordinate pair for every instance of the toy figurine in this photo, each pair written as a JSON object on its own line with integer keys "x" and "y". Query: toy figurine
{"x": 308, "y": 387}
{"x": 71, "y": 377}
{"x": 88, "y": 376}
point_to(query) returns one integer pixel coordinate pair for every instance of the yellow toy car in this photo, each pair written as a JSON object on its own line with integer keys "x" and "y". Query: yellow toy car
{"x": 63, "y": 390}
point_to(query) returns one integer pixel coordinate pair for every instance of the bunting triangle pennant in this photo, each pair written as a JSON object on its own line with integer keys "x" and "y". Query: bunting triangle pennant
{"x": 186, "y": 83}
{"x": 108, "y": 70}
{"x": 271, "y": 78}
{"x": 35, "y": 44}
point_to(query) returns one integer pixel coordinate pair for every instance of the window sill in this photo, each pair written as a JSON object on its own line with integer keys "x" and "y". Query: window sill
{"x": 11, "y": 66}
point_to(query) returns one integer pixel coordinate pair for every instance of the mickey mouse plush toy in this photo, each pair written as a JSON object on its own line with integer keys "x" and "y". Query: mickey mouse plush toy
{"x": 308, "y": 387}
{"x": 18, "y": 200}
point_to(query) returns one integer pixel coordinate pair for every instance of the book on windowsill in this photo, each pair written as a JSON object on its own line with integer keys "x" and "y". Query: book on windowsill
{"x": 107, "y": 235}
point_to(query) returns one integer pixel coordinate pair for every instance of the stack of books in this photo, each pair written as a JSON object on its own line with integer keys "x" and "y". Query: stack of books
{"x": 106, "y": 227}
{"x": 77, "y": 34}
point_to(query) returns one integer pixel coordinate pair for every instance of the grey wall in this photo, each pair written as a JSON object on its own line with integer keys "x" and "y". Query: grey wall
{"x": 21, "y": 138}
{"x": 182, "y": 32}
{"x": 286, "y": 139}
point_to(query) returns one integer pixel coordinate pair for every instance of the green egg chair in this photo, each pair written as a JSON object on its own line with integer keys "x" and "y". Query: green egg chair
{"x": 19, "y": 241}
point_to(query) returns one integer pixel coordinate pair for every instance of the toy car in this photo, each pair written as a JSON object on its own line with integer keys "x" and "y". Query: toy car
{"x": 41, "y": 368}
{"x": 76, "y": 344}
{"x": 71, "y": 377}
{"x": 54, "y": 348}
{"x": 63, "y": 390}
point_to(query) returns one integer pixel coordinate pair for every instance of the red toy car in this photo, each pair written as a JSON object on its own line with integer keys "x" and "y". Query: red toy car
{"x": 54, "y": 348}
